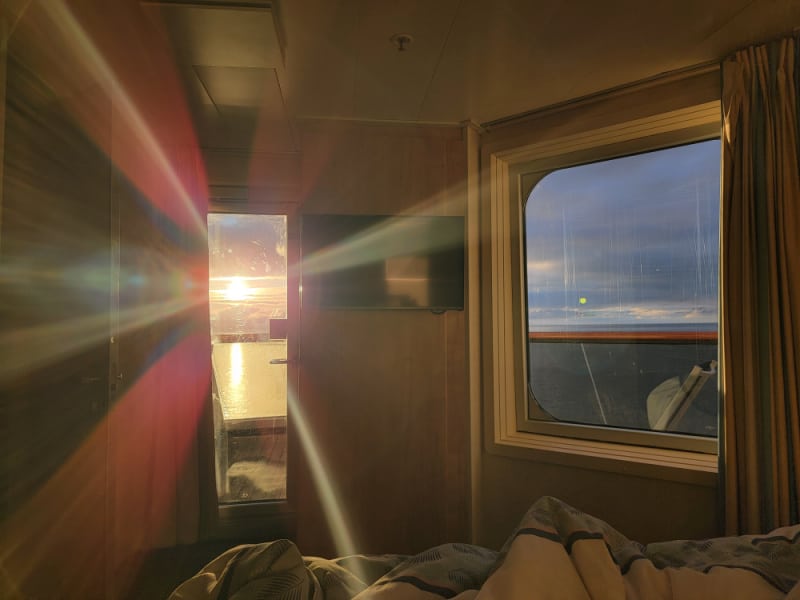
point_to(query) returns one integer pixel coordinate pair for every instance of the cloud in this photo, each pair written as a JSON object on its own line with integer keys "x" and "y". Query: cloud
{"x": 636, "y": 236}
{"x": 544, "y": 268}
{"x": 660, "y": 315}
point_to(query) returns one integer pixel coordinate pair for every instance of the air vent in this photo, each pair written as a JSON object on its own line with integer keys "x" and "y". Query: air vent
{"x": 245, "y": 4}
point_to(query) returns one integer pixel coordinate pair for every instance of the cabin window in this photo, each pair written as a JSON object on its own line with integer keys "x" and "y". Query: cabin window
{"x": 248, "y": 305}
{"x": 601, "y": 259}
{"x": 621, "y": 269}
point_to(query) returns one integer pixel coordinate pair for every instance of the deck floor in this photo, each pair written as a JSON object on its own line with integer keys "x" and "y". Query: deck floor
{"x": 256, "y": 466}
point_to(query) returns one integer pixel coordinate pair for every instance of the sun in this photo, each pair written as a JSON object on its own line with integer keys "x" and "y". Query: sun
{"x": 237, "y": 290}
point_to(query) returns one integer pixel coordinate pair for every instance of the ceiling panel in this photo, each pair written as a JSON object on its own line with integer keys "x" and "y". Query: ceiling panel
{"x": 503, "y": 57}
{"x": 389, "y": 83}
{"x": 236, "y": 86}
{"x": 343, "y": 63}
{"x": 222, "y": 35}
{"x": 246, "y": 110}
{"x": 522, "y": 57}
{"x": 470, "y": 59}
{"x": 231, "y": 56}
{"x": 756, "y": 22}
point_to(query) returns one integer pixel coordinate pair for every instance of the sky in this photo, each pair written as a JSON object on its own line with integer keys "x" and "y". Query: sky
{"x": 247, "y": 271}
{"x": 247, "y": 245}
{"x": 629, "y": 241}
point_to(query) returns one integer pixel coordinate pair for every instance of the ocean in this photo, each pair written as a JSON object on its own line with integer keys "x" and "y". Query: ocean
{"x": 592, "y": 380}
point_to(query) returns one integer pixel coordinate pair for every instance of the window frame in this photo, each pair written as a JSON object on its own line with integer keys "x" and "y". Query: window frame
{"x": 509, "y": 176}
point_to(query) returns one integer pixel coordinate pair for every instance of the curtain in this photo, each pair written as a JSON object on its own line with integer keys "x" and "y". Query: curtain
{"x": 760, "y": 288}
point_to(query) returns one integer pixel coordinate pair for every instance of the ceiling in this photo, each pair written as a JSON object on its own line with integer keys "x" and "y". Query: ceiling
{"x": 277, "y": 61}
{"x": 253, "y": 68}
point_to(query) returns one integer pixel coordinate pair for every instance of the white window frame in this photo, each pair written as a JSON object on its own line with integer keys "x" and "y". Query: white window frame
{"x": 507, "y": 182}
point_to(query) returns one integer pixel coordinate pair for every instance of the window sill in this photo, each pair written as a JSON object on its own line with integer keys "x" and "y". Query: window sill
{"x": 639, "y": 461}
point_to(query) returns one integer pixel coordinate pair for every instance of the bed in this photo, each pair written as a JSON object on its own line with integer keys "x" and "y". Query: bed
{"x": 556, "y": 551}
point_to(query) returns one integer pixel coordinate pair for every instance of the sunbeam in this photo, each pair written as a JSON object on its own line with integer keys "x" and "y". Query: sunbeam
{"x": 326, "y": 487}
{"x": 392, "y": 237}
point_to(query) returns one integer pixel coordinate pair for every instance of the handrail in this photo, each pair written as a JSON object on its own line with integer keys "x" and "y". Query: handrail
{"x": 624, "y": 336}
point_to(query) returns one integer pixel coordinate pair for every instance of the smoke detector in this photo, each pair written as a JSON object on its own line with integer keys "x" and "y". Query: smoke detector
{"x": 401, "y": 41}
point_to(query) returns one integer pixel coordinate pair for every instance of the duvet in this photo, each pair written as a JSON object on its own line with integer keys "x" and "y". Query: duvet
{"x": 555, "y": 552}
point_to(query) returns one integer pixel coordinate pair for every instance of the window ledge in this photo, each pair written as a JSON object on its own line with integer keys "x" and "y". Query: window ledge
{"x": 640, "y": 461}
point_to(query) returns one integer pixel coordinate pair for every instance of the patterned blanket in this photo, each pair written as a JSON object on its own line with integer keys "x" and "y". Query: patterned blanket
{"x": 555, "y": 552}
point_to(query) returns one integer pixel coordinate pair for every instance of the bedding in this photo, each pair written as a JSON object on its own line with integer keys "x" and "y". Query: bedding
{"x": 555, "y": 552}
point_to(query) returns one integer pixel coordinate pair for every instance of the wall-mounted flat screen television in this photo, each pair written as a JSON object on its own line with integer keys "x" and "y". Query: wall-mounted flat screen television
{"x": 383, "y": 262}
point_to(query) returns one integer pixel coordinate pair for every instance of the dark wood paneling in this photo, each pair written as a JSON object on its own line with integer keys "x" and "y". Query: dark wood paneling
{"x": 87, "y": 483}
{"x": 55, "y": 255}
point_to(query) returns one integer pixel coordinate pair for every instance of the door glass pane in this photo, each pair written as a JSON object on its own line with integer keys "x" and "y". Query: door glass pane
{"x": 247, "y": 288}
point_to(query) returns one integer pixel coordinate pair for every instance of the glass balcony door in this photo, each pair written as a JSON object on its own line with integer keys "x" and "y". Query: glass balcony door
{"x": 249, "y": 318}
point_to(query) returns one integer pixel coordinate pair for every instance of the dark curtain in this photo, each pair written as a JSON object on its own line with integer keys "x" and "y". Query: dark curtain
{"x": 760, "y": 288}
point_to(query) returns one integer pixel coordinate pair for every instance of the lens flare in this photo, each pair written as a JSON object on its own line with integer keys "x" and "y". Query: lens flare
{"x": 134, "y": 465}
{"x": 152, "y": 141}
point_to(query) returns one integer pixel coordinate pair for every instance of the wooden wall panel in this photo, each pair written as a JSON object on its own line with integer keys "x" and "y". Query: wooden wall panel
{"x": 457, "y": 457}
{"x": 643, "y": 509}
{"x": 640, "y": 101}
{"x": 384, "y": 392}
